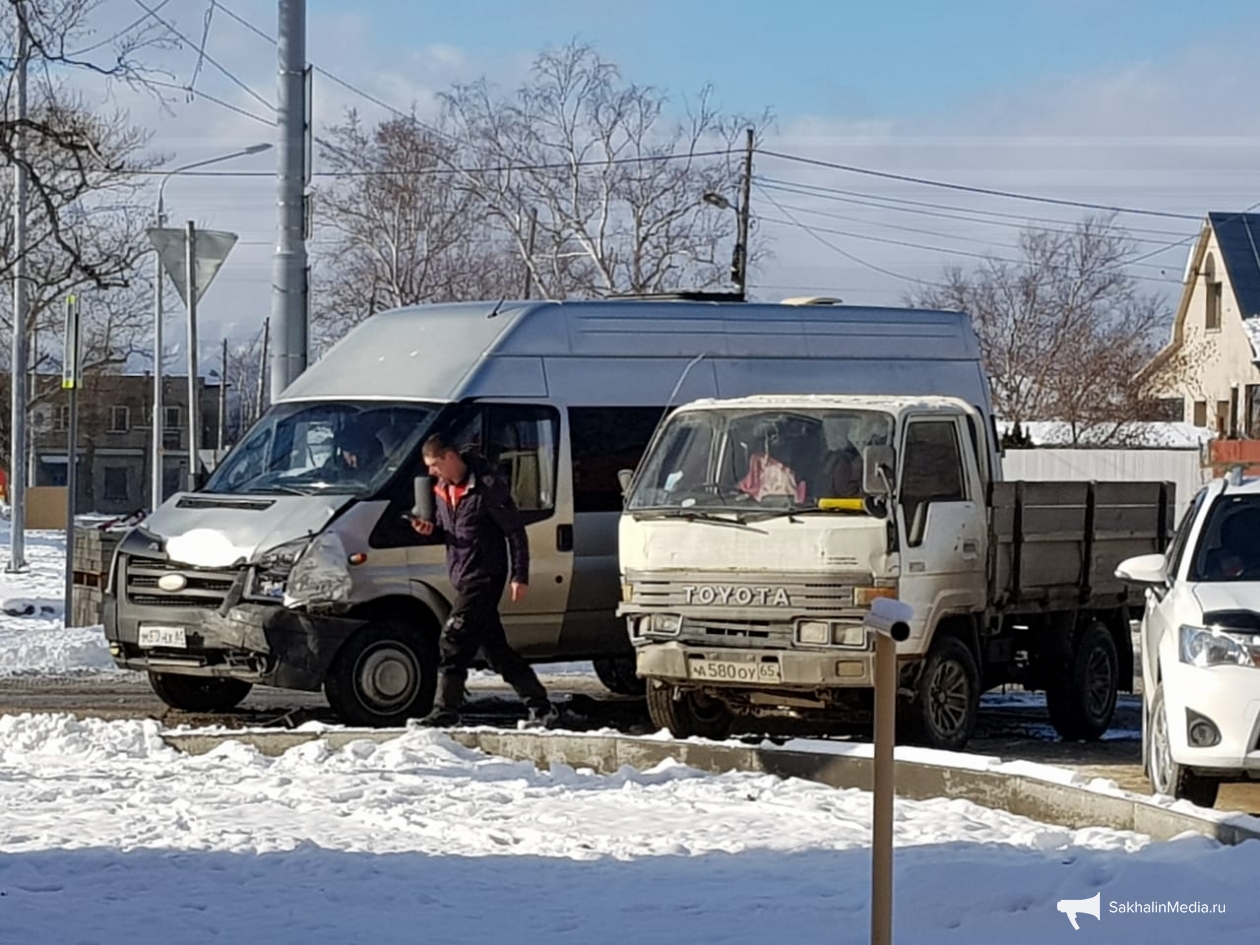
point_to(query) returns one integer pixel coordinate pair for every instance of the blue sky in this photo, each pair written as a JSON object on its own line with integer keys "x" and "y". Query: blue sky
{"x": 1116, "y": 102}
{"x": 898, "y": 58}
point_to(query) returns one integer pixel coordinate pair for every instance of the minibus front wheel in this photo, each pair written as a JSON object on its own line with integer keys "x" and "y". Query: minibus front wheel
{"x": 383, "y": 675}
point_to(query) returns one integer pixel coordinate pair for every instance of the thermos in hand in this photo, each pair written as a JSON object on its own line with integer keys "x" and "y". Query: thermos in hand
{"x": 423, "y": 508}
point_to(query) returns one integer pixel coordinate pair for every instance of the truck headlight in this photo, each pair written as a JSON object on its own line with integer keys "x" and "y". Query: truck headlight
{"x": 1204, "y": 647}
{"x": 813, "y": 632}
{"x": 665, "y": 624}
{"x": 279, "y": 561}
{"x": 320, "y": 575}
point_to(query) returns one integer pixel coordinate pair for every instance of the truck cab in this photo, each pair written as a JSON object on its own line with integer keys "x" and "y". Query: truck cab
{"x": 757, "y": 531}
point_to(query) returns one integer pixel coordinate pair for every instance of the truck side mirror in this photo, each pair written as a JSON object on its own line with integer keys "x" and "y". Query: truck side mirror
{"x": 624, "y": 476}
{"x": 875, "y": 459}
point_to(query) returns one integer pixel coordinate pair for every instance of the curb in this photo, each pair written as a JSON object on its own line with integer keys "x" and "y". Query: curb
{"x": 1040, "y": 799}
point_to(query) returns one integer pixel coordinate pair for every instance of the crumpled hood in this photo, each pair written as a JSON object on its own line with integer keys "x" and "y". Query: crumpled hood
{"x": 207, "y": 530}
{"x": 1228, "y": 596}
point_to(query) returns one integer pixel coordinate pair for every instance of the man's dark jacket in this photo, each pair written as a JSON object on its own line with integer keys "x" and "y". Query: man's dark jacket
{"x": 475, "y": 529}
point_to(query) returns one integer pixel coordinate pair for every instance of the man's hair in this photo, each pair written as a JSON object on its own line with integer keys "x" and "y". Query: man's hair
{"x": 436, "y": 445}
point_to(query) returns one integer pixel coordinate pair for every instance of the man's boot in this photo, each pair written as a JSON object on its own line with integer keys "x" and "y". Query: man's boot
{"x": 450, "y": 695}
{"x": 542, "y": 716}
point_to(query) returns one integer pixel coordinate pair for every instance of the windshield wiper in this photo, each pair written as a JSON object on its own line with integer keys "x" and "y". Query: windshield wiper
{"x": 696, "y": 515}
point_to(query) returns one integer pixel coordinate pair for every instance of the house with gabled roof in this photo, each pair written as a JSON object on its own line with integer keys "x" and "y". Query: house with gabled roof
{"x": 1210, "y": 364}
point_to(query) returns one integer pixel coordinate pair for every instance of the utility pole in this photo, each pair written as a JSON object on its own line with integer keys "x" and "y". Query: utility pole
{"x": 739, "y": 266}
{"x": 261, "y": 397}
{"x": 223, "y": 369}
{"x": 288, "y": 298}
{"x": 194, "y": 401}
{"x": 17, "y": 364}
{"x": 529, "y": 251}
{"x": 32, "y": 391}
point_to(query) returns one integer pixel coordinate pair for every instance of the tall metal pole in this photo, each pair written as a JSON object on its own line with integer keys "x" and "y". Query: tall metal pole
{"x": 17, "y": 367}
{"x": 745, "y": 195}
{"x": 159, "y": 417}
{"x": 194, "y": 405}
{"x": 261, "y": 398}
{"x": 288, "y": 299}
{"x": 223, "y": 369}
{"x": 32, "y": 391}
{"x": 529, "y": 251}
{"x": 883, "y": 771}
{"x": 70, "y": 382}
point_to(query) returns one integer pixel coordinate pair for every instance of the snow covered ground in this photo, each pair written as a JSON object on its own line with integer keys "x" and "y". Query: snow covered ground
{"x": 109, "y": 836}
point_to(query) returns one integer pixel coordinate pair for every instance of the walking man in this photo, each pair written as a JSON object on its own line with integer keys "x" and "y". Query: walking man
{"x": 485, "y": 545}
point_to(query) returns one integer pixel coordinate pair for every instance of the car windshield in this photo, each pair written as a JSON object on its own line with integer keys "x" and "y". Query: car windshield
{"x": 344, "y": 448}
{"x": 759, "y": 459}
{"x": 1229, "y": 544}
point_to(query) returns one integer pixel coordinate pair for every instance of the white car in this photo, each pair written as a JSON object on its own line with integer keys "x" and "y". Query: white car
{"x": 1201, "y": 645}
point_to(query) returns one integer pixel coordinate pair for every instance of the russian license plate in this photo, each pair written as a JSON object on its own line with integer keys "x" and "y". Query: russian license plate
{"x": 728, "y": 671}
{"x": 155, "y": 635}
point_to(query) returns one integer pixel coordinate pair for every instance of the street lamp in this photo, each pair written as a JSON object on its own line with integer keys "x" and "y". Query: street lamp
{"x": 739, "y": 256}
{"x": 160, "y": 217}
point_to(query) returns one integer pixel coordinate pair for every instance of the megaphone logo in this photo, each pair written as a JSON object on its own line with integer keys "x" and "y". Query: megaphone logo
{"x": 1074, "y": 906}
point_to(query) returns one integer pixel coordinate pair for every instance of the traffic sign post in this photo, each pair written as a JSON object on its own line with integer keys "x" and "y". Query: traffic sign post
{"x": 192, "y": 258}
{"x": 70, "y": 384}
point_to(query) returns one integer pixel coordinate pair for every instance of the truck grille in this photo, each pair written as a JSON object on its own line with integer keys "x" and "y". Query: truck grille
{"x": 720, "y": 594}
{"x": 205, "y": 588}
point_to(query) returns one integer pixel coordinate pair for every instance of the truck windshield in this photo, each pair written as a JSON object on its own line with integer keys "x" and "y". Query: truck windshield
{"x": 759, "y": 459}
{"x": 1229, "y": 544}
{"x": 345, "y": 448}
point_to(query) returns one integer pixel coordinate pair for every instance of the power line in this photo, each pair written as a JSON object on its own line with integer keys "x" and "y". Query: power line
{"x": 843, "y": 252}
{"x": 210, "y": 59}
{"x": 967, "y": 188}
{"x": 217, "y": 101}
{"x": 945, "y": 236}
{"x": 432, "y": 171}
{"x": 943, "y": 210}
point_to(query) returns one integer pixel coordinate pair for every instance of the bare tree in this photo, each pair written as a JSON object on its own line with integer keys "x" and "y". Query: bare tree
{"x": 68, "y": 150}
{"x": 394, "y": 231}
{"x": 1064, "y": 330}
{"x": 615, "y": 184}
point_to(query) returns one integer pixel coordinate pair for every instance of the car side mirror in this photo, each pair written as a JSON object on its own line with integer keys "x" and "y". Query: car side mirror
{"x": 1144, "y": 569}
{"x": 625, "y": 477}
{"x": 878, "y": 463}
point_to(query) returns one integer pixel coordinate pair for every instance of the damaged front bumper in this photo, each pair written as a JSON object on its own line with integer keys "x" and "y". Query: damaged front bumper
{"x": 264, "y": 644}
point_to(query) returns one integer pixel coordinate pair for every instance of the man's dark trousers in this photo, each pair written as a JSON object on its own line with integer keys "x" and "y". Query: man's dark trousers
{"x": 475, "y": 624}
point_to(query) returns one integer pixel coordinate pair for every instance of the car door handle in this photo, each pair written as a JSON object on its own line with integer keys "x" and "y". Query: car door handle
{"x": 970, "y": 548}
{"x": 564, "y": 538}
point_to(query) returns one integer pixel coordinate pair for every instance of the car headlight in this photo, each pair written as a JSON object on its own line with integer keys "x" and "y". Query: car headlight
{"x": 813, "y": 632}
{"x": 280, "y": 560}
{"x": 1203, "y": 646}
{"x": 320, "y": 575}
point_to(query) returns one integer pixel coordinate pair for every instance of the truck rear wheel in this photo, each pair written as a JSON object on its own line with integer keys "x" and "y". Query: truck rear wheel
{"x": 199, "y": 693}
{"x": 688, "y": 714}
{"x": 1082, "y": 700}
{"x": 617, "y": 673}
{"x": 383, "y": 675}
{"x": 946, "y": 700}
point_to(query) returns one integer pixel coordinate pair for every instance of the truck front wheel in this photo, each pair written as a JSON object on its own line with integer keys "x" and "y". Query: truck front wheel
{"x": 1083, "y": 700}
{"x": 946, "y": 700}
{"x": 383, "y": 675}
{"x": 199, "y": 693}
{"x": 688, "y": 714}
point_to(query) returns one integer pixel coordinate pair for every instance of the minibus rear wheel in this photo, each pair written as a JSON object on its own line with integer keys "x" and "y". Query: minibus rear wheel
{"x": 618, "y": 674}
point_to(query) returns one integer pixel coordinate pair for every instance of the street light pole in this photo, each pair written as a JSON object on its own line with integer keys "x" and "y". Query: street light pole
{"x": 159, "y": 418}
